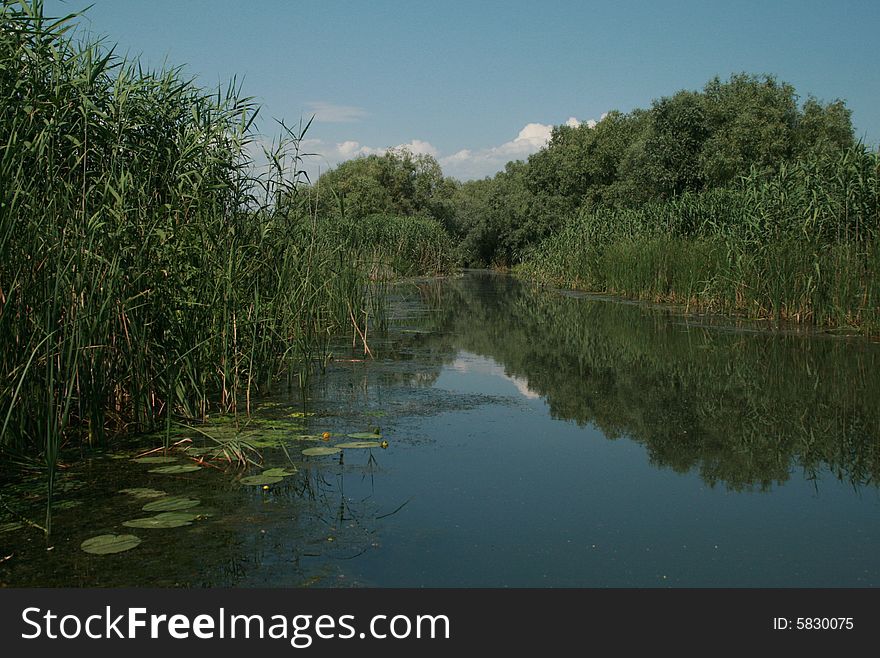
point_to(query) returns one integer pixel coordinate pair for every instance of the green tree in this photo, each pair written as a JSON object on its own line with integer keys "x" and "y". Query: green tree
{"x": 823, "y": 129}
{"x": 677, "y": 129}
{"x": 394, "y": 183}
{"x": 751, "y": 121}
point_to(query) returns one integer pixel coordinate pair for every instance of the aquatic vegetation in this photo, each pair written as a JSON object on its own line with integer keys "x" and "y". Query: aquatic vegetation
{"x": 171, "y": 504}
{"x": 280, "y": 472}
{"x": 261, "y": 480}
{"x": 163, "y": 520}
{"x": 269, "y": 476}
{"x": 150, "y": 270}
{"x": 143, "y": 492}
{"x": 799, "y": 245}
{"x": 67, "y": 504}
{"x": 360, "y": 444}
{"x": 107, "y": 544}
{"x": 320, "y": 451}
{"x": 176, "y": 469}
{"x": 155, "y": 460}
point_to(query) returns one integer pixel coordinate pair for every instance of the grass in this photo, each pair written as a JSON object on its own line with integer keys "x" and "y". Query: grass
{"x": 146, "y": 272}
{"x": 802, "y": 245}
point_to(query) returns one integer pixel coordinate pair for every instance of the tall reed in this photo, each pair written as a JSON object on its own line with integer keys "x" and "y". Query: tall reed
{"x": 145, "y": 269}
{"x": 802, "y": 245}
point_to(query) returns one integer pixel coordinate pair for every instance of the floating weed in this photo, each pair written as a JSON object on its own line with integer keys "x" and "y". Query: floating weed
{"x": 171, "y": 504}
{"x": 264, "y": 442}
{"x": 279, "y": 472}
{"x": 143, "y": 492}
{"x": 106, "y": 544}
{"x": 376, "y": 414}
{"x": 320, "y": 451}
{"x": 155, "y": 460}
{"x": 66, "y": 504}
{"x": 260, "y": 480}
{"x": 278, "y": 425}
{"x": 164, "y": 520}
{"x": 176, "y": 469}
{"x": 359, "y": 444}
{"x": 9, "y": 527}
{"x": 301, "y": 414}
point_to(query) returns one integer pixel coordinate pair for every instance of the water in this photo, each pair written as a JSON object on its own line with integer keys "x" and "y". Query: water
{"x": 535, "y": 438}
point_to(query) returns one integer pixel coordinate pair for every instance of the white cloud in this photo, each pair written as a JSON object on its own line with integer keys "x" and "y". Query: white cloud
{"x": 468, "y": 362}
{"x": 418, "y": 147}
{"x": 331, "y": 113}
{"x": 464, "y": 164}
{"x": 328, "y": 155}
{"x": 469, "y": 163}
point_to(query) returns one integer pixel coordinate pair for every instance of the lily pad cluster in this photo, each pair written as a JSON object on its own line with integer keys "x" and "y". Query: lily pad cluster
{"x": 169, "y": 512}
{"x": 364, "y": 441}
{"x": 269, "y": 476}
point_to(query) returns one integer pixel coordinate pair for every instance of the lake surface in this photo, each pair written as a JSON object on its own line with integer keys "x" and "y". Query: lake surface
{"x": 535, "y": 438}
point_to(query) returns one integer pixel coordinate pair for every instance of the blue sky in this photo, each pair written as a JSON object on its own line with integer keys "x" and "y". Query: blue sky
{"x": 478, "y": 83}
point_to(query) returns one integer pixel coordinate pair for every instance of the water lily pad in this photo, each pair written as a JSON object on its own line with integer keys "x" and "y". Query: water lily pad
{"x": 308, "y": 437}
{"x": 279, "y": 472}
{"x": 66, "y": 504}
{"x": 366, "y": 436}
{"x": 261, "y": 479}
{"x": 320, "y": 451}
{"x": 106, "y": 544}
{"x": 171, "y": 504}
{"x": 163, "y": 520}
{"x": 178, "y": 468}
{"x": 359, "y": 444}
{"x": 143, "y": 492}
{"x": 155, "y": 460}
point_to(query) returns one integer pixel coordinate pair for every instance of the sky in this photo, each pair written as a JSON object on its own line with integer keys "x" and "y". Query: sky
{"x": 476, "y": 84}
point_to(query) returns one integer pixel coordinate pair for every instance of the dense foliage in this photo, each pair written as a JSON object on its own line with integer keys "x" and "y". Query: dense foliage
{"x": 146, "y": 273}
{"x": 685, "y": 143}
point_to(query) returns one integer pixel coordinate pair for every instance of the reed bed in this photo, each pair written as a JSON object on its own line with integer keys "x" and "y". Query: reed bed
{"x": 146, "y": 272}
{"x": 800, "y": 245}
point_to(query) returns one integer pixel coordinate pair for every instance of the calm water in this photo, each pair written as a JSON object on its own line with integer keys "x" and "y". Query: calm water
{"x": 535, "y": 439}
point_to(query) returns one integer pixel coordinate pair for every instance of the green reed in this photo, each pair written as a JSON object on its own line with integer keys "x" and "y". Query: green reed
{"x": 799, "y": 245}
{"x": 145, "y": 270}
